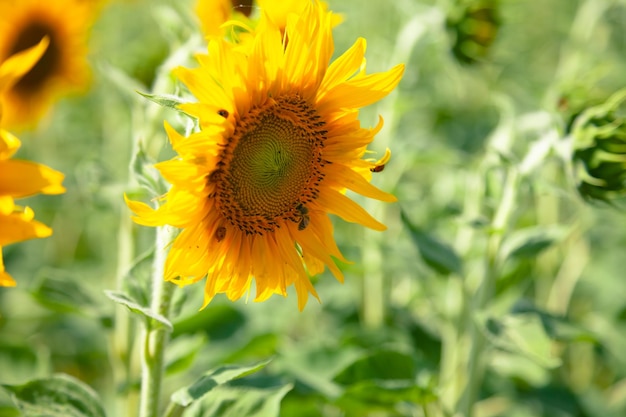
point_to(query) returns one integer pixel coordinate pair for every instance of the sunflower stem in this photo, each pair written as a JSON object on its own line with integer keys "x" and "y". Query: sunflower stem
{"x": 156, "y": 337}
{"x": 475, "y": 365}
{"x": 122, "y": 340}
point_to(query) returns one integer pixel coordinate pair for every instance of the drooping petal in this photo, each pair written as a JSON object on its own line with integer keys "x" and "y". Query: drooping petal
{"x": 20, "y": 226}
{"x": 335, "y": 202}
{"x": 343, "y": 177}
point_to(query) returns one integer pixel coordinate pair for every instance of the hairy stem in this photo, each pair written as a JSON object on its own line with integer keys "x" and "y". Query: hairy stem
{"x": 156, "y": 337}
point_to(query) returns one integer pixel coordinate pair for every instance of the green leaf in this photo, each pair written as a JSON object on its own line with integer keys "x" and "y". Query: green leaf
{"x": 59, "y": 292}
{"x": 438, "y": 255}
{"x": 165, "y": 100}
{"x": 153, "y": 319}
{"x": 182, "y": 351}
{"x": 524, "y": 335}
{"x": 262, "y": 345}
{"x": 212, "y": 379}
{"x": 385, "y": 394}
{"x": 315, "y": 366}
{"x": 146, "y": 174}
{"x": 240, "y": 400}
{"x": 57, "y": 396}
{"x": 220, "y": 322}
{"x": 381, "y": 364}
{"x": 529, "y": 242}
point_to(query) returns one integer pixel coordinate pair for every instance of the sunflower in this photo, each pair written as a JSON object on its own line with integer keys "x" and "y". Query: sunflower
{"x": 20, "y": 178}
{"x": 63, "y": 67}
{"x": 213, "y": 14}
{"x": 279, "y": 143}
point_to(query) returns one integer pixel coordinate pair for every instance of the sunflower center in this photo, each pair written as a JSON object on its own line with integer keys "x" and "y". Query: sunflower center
{"x": 47, "y": 65}
{"x": 272, "y": 165}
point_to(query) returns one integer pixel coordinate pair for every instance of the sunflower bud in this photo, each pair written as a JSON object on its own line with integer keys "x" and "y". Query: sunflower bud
{"x": 599, "y": 149}
{"x": 473, "y": 25}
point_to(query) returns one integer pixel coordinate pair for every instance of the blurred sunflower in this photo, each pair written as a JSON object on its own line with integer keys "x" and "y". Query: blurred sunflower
{"x": 62, "y": 68}
{"x": 279, "y": 143}
{"x": 214, "y": 13}
{"x": 20, "y": 178}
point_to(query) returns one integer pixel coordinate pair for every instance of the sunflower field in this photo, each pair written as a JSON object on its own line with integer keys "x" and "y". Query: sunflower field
{"x": 306, "y": 208}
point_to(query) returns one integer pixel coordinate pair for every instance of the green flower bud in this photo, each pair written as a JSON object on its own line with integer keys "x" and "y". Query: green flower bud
{"x": 599, "y": 150}
{"x": 473, "y": 25}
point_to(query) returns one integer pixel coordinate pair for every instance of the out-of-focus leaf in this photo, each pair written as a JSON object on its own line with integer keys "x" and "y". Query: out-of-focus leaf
{"x": 57, "y": 396}
{"x": 523, "y": 334}
{"x": 384, "y": 394}
{"x": 556, "y": 327}
{"x": 219, "y": 322}
{"x": 380, "y": 365}
{"x": 239, "y": 401}
{"x": 153, "y": 318}
{"x": 437, "y": 254}
{"x": 122, "y": 81}
{"x": 530, "y": 242}
{"x": 212, "y": 379}
{"x": 262, "y": 345}
{"x": 316, "y": 367}
{"x": 182, "y": 351}
{"x": 62, "y": 293}
{"x": 146, "y": 174}
{"x": 137, "y": 277}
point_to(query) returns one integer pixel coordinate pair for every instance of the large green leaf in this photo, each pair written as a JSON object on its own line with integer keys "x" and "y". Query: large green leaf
{"x": 523, "y": 335}
{"x": 60, "y": 292}
{"x": 385, "y": 394}
{"x": 437, "y": 254}
{"x": 57, "y": 396}
{"x": 239, "y": 401}
{"x": 213, "y": 379}
{"x": 182, "y": 351}
{"x": 380, "y": 365}
{"x": 531, "y": 241}
{"x": 315, "y": 367}
{"x": 153, "y": 319}
{"x": 262, "y": 345}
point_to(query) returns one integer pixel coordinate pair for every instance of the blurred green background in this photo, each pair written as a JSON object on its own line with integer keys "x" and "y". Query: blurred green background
{"x": 466, "y": 125}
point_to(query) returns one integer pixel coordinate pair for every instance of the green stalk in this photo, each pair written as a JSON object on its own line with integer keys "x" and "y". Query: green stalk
{"x": 480, "y": 299}
{"x": 156, "y": 337}
{"x": 121, "y": 340}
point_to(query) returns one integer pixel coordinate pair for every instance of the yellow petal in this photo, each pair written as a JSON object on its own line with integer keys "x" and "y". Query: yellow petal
{"x": 7, "y": 205}
{"x": 9, "y": 144}
{"x": 24, "y": 178}
{"x": 309, "y": 242}
{"x": 20, "y": 63}
{"x": 344, "y": 67}
{"x": 334, "y": 202}
{"x": 362, "y": 90}
{"x": 18, "y": 227}
{"x": 5, "y": 279}
{"x": 344, "y": 177}
{"x": 145, "y": 215}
